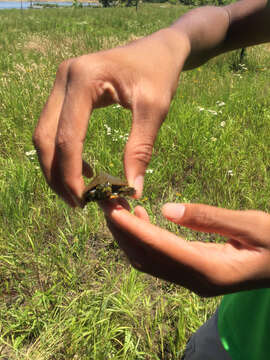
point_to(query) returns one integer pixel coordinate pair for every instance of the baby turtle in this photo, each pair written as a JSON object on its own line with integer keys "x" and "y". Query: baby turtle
{"x": 105, "y": 186}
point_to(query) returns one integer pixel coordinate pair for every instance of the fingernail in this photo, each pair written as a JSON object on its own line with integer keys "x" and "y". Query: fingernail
{"x": 138, "y": 185}
{"x": 110, "y": 205}
{"x": 174, "y": 212}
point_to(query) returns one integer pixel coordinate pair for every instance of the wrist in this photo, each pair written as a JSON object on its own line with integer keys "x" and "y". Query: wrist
{"x": 177, "y": 43}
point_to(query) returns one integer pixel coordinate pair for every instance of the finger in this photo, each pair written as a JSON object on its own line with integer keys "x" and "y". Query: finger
{"x": 133, "y": 229}
{"x": 46, "y": 129}
{"x": 251, "y": 226}
{"x": 148, "y": 116}
{"x": 71, "y": 132}
{"x": 141, "y": 213}
{"x": 149, "y": 234}
{"x": 109, "y": 205}
{"x": 208, "y": 269}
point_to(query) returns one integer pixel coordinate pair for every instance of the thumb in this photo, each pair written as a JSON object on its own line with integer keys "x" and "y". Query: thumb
{"x": 245, "y": 226}
{"x": 147, "y": 119}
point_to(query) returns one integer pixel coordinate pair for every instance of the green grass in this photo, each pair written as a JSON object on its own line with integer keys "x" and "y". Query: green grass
{"x": 66, "y": 291}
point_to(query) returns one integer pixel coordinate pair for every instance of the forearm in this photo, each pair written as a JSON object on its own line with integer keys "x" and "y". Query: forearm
{"x": 214, "y": 30}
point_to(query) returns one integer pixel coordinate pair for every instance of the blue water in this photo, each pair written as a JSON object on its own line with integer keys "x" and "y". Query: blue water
{"x": 27, "y": 4}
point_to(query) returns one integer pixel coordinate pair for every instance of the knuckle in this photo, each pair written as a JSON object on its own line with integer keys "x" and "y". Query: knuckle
{"x": 62, "y": 71}
{"x": 37, "y": 139}
{"x": 77, "y": 69}
{"x": 258, "y": 227}
{"x": 62, "y": 146}
{"x": 162, "y": 105}
{"x": 61, "y": 142}
{"x": 65, "y": 139}
{"x": 154, "y": 101}
{"x": 40, "y": 140}
{"x": 142, "y": 152}
{"x": 64, "y": 66}
{"x": 201, "y": 218}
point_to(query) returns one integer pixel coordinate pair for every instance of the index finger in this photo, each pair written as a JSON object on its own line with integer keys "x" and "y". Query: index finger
{"x": 45, "y": 132}
{"x": 72, "y": 128}
{"x": 250, "y": 226}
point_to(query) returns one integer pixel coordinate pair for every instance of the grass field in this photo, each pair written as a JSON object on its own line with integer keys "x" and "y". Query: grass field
{"x": 66, "y": 291}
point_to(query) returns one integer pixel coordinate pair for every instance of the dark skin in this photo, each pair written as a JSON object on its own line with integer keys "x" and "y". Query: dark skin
{"x": 143, "y": 76}
{"x": 209, "y": 269}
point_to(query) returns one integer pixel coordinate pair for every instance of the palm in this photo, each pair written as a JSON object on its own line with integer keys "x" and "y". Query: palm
{"x": 209, "y": 269}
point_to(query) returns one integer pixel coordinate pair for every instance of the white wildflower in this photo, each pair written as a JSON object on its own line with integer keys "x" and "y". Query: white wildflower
{"x": 223, "y": 123}
{"x": 213, "y": 112}
{"x": 201, "y": 108}
{"x": 117, "y": 106}
{"x": 213, "y": 139}
{"x": 149, "y": 171}
{"x": 243, "y": 66}
{"x": 230, "y": 172}
{"x": 30, "y": 153}
{"x": 220, "y": 103}
{"x": 109, "y": 130}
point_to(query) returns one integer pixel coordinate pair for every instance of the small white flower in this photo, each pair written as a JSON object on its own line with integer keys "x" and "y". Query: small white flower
{"x": 109, "y": 130}
{"x": 149, "y": 171}
{"x": 220, "y": 103}
{"x": 31, "y": 153}
{"x": 213, "y": 112}
{"x": 201, "y": 108}
{"x": 213, "y": 139}
{"x": 223, "y": 123}
{"x": 117, "y": 106}
{"x": 230, "y": 172}
{"x": 243, "y": 66}
{"x": 238, "y": 75}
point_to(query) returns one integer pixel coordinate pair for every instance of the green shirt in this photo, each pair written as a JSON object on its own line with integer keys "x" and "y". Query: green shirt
{"x": 244, "y": 324}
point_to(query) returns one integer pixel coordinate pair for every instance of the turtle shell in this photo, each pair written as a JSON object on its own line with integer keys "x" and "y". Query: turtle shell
{"x": 105, "y": 186}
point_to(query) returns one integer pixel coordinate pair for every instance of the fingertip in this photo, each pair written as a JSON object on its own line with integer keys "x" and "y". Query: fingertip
{"x": 173, "y": 212}
{"x": 138, "y": 185}
{"x": 75, "y": 191}
{"x": 141, "y": 213}
{"x": 108, "y": 206}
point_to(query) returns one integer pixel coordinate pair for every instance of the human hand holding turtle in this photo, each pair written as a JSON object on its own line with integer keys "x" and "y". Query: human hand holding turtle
{"x": 209, "y": 269}
{"x": 141, "y": 76}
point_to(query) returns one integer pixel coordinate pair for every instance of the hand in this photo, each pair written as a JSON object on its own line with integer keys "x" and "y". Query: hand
{"x": 141, "y": 76}
{"x": 209, "y": 269}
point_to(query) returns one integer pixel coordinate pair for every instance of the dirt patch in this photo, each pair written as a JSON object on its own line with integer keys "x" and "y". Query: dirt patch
{"x": 38, "y": 43}
{"x": 46, "y": 46}
{"x": 109, "y": 42}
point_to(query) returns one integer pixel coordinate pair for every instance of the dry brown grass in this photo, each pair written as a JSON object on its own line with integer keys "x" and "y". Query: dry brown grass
{"x": 38, "y": 43}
